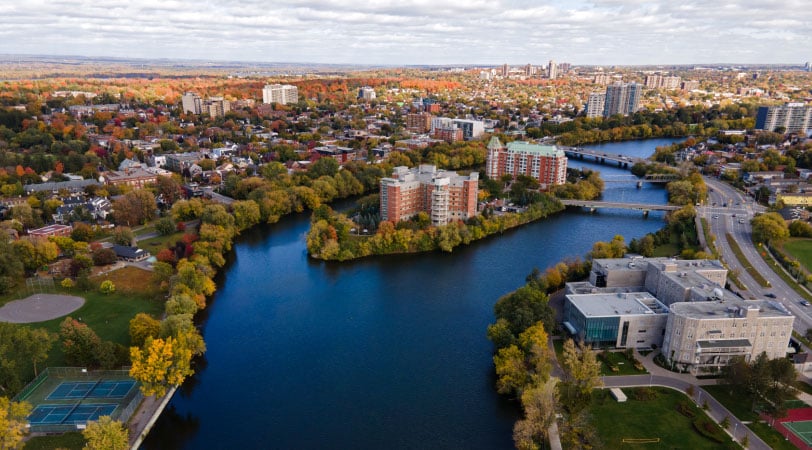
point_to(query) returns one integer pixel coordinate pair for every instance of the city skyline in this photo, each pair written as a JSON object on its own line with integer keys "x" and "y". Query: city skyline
{"x": 602, "y": 32}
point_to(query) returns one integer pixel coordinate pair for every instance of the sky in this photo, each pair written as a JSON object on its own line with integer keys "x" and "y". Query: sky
{"x": 400, "y": 32}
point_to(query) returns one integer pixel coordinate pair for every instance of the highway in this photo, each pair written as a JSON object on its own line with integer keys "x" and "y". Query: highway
{"x": 735, "y": 219}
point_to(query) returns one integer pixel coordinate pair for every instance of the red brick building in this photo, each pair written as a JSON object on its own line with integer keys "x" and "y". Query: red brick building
{"x": 545, "y": 163}
{"x": 444, "y": 195}
{"x": 418, "y": 122}
{"x": 51, "y": 230}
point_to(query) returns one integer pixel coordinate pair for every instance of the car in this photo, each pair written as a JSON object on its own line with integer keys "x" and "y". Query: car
{"x": 804, "y": 303}
{"x": 741, "y": 220}
{"x": 769, "y": 294}
{"x": 715, "y": 217}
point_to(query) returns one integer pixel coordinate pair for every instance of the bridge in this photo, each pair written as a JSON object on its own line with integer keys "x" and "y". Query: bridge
{"x": 600, "y": 157}
{"x": 657, "y": 178}
{"x": 645, "y": 207}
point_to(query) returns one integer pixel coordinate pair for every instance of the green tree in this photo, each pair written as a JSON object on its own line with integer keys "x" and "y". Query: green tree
{"x": 123, "y": 236}
{"x": 11, "y": 267}
{"x": 800, "y": 229}
{"x": 79, "y": 343}
{"x": 165, "y": 226}
{"x": 106, "y": 434}
{"x": 107, "y": 287}
{"x": 246, "y": 214}
{"x": 769, "y": 228}
{"x": 143, "y": 326}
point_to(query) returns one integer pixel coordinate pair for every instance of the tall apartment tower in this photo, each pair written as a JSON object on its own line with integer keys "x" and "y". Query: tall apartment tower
{"x": 505, "y": 70}
{"x": 622, "y": 98}
{"x": 216, "y": 106}
{"x": 793, "y": 117}
{"x": 366, "y": 94}
{"x": 191, "y": 103}
{"x": 595, "y": 104}
{"x": 552, "y": 70}
{"x": 280, "y": 93}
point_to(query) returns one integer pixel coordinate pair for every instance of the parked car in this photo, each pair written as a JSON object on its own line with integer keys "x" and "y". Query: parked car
{"x": 804, "y": 303}
{"x": 769, "y": 294}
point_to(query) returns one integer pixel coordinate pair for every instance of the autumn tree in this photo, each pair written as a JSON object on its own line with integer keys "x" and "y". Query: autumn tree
{"x": 581, "y": 375}
{"x": 19, "y": 347}
{"x": 769, "y": 228}
{"x": 135, "y": 208}
{"x": 160, "y": 364}
{"x": 511, "y": 373}
{"x": 11, "y": 267}
{"x": 13, "y": 422}
{"x": 106, "y": 434}
{"x": 143, "y": 326}
{"x": 79, "y": 343}
{"x": 538, "y": 404}
{"x": 123, "y": 236}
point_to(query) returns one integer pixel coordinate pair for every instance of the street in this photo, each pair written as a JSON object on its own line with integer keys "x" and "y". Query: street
{"x": 744, "y": 208}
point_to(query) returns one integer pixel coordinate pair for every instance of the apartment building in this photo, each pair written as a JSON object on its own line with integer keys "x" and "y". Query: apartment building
{"x": 216, "y": 106}
{"x": 280, "y": 93}
{"x": 418, "y": 122}
{"x": 545, "y": 163}
{"x": 191, "y": 103}
{"x": 444, "y": 195}
{"x": 366, "y": 94}
{"x": 622, "y": 98}
{"x": 792, "y": 117}
{"x": 595, "y": 104}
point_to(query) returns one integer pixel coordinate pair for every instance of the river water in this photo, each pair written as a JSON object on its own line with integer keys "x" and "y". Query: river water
{"x": 385, "y": 352}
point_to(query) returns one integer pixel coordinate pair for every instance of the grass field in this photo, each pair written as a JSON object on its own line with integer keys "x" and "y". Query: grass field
{"x": 800, "y": 249}
{"x": 624, "y": 365}
{"x": 655, "y": 418}
{"x": 744, "y": 262}
{"x": 68, "y": 441}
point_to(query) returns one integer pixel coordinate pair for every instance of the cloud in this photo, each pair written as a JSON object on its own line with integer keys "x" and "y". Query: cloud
{"x": 415, "y": 32}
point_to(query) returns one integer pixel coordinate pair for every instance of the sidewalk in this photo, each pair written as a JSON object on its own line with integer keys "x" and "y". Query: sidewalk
{"x": 657, "y": 371}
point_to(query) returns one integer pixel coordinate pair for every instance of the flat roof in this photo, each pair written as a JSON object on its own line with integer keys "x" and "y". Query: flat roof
{"x": 618, "y": 304}
{"x": 543, "y": 150}
{"x": 733, "y": 308}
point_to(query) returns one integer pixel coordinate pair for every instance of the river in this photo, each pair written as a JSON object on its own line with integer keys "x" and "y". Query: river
{"x": 384, "y": 352}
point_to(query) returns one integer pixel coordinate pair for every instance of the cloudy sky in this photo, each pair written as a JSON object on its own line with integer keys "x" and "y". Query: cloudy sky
{"x": 415, "y": 31}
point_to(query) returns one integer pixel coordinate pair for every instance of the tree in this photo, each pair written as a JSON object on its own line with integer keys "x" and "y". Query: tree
{"x": 19, "y": 346}
{"x": 524, "y": 307}
{"x": 161, "y": 363}
{"x": 107, "y": 287}
{"x": 11, "y": 267}
{"x": 538, "y": 403}
{"x": 103, "y": 256}
{"x": 106, "y": 434}
{"x": 534, "y": 343}
{"x": 79, "y": 343}
{"x": 511, "y": 372}
{"x": 135, "y": 208}
{"x": 82, "y": 232}
{"x": 581, "y": 366}
{"x": 123, "y": 236}
{"x": 800, "y": 229}
{"x": 143, "y": 326}
{"x": 13, "y": 422}
{"x": 165, "y": 226}
{"x": 769, "y": 228}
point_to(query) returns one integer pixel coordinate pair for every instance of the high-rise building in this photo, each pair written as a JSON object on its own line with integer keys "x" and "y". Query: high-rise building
{"x": 545, "y": 163}
{"x": 622, "y": 98}
{"x": 216, "y": 106}
{"x": 595, "y": 104}
{"x": 280, "y": 93}
{"x": 529, "y": 70}
{"x": 366, "y": 94}
{"x": 670, "y": 82}
{"x": 602, "y": 78}
{"x": 444, "y": 195}
{"x": 689, "y": 85}
{"x": 418, "y": 122}
{"x": 552, "y": 70}
{"x": 505, "y": 70}
{"x": 191, "y": 103}
{"x": 471, "y": 129}
{"x": 793, "y": 117}
{"x": 652, "y": 81}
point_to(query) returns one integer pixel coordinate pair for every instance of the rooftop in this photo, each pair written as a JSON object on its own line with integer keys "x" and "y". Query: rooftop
{"x": 526, "y": 147}
{"x": 624, "y": 304}
{"x": 729, "y": 308}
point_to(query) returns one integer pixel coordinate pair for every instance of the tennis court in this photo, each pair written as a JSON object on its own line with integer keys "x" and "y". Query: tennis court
{"x": 88, "y": 389}
{"x": 802, "y": 429}
{"x": 69, "y": 414}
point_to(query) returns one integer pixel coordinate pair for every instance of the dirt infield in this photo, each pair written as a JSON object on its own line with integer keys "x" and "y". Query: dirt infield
{"x": 39, "y": 308}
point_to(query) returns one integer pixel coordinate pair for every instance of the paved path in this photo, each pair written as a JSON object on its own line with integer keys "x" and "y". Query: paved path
{"x": 39, "y": 308}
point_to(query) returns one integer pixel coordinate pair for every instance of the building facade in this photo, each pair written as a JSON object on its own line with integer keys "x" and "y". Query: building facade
{"x": 444, "y": 195}
{"x": 418, "y": 122}
{"x": 616, "y": 320}
{"x": 622, "y": 98}
{"x": 280, "y": 93}
{"x": 366, "y": 94}
{"x": 545, "y": 163}
{"x": 793, "y": 117}
{"x": 595, "y": 104}
{"x": 192, "y": 104}
{"x": 705, "y": 336}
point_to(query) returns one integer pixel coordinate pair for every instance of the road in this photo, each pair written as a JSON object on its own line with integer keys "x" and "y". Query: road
{"x": 735, "y": 219}
{"x": 715, "y": 409}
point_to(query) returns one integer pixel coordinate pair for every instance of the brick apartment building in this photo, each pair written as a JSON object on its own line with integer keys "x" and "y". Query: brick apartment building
{"x": 545, "y": 163}
{"x": 444, "y": 195}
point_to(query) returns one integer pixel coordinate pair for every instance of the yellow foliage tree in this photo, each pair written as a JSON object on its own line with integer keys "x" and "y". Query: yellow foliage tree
{"x": 160, "y": 364}
{"x": 12, "y": 422}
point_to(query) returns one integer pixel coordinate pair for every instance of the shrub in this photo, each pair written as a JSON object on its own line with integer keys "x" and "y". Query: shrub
{"x": 103, "y": 256}
{"x": 67, "y": 283}
{"x": 706, "y": 428}
{"x": 107, "y": 287}
{"x": 685, "y": 408}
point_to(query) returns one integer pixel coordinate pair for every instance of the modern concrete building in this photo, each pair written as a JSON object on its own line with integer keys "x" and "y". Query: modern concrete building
{"x": 706, "y": 325}
{"x": 191, "y": 103}
{"x": 792, "y": 117}
{"x": 280, "y": 93}
{"x": 595, "y": 104}
{"x": 616, "y": 320}
{"x": 216, "y": 106}
{"x": 552, "y": 70}
{"x": 444, "y": 195}
{"x": 704, "y": 336}
{"x": 545, "y": 163}
{"x": 622, "y": 98}
{"x": 471, "y": 129}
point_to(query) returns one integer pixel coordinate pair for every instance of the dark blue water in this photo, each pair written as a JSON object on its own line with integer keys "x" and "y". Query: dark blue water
{"x": 386, "y": 352}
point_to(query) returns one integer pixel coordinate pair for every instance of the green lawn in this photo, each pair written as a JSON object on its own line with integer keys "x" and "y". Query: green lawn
{"x": 655, "y": 418}
{"x": 740, "y": 405}
{"x": 666, "y": 250}
{"x": 744, "y": 262}
{"x": 623, "y": 365}
{"x": 800, "y": 249}
{"x": 158, "y": 243}
{"x": 68, "y": 441}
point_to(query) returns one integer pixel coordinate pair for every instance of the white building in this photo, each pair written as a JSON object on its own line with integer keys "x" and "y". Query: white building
{"x": 595, "y": 104}
{"x": 191, "y": 103}
{"x": 280, "y": 93}
{"x": 366, "y": 93}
